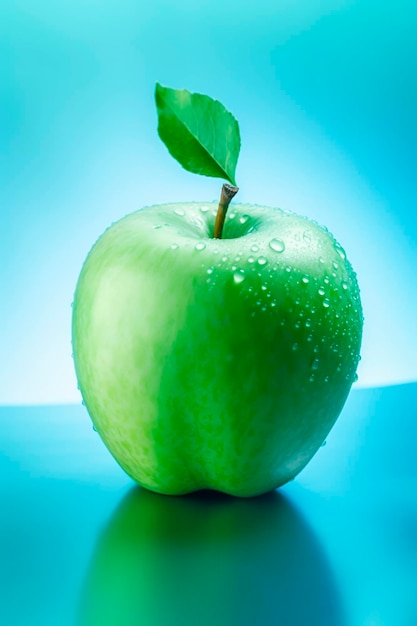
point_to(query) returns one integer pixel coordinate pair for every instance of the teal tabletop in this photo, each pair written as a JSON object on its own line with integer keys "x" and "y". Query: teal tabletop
{"x": 81, "y": 545}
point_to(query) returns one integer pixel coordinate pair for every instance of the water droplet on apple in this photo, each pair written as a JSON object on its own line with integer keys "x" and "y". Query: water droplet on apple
{"x": 239, "y": 277}
{"x": 321, "y": 260}
{"x": 274, "y": 303}
{"x": 315, "y": 349}
{"x": 345, "y": 286}
{"x": 204, "y": 209}
{"x": 243, "y": 219}
{"x": 174, "y": 246}
{"x": 326, "y": 280}
{"x": 264, "y": 287}
{"x": 251, "y": 259}
{"x": 335, "y": 265}
{"x": 277, "y": 245}
{"x": 288, "y": 269}
{"x": 323, "y": 444}
{"x": 310, "y": 337}
{"x": 321, "y": 291}
{"x": 94, "y": 428}
{"x": 326, "y": 303}
{"x": 157, "y": 226}
{"x": 305, "y": 280}
{"x": 308, "y": 322}
{"x": 312, "y": 378}
{"x": 326, "y": 379}
{"x": 179, "y": 212}
{"x": 355, "y": 378}
{"x": 200, "y": 246}
{"x": 307, "y": 236}
{"x": 254, "y": 248}
{"x": 339, "y": 250}
{"x": 315, "y": 364}
{"x": 295, "y": 346}
{"x": 232, "y": 215}
{"x": 262, "y": 260}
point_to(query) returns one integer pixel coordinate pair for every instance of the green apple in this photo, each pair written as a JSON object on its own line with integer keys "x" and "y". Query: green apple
{"x": 215, "y": 363}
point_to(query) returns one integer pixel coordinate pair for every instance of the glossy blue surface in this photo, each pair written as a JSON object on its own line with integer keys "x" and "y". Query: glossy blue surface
{"x": 80, "y": 545}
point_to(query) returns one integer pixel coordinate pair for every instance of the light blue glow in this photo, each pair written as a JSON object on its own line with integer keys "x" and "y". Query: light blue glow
{"x": 325, "y": 98}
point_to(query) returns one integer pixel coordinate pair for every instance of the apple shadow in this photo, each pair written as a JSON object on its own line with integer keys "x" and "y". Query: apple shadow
{"x": 208, "y": 559}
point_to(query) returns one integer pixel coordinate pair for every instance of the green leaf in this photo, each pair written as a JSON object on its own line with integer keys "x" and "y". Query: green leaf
{"x": 198, "y": 132}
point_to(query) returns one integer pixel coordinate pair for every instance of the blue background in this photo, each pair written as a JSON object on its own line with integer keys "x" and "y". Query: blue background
{"x": 325, "y": 93}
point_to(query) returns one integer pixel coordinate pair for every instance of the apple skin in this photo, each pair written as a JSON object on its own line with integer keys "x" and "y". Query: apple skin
{"x": 215, "y": 363}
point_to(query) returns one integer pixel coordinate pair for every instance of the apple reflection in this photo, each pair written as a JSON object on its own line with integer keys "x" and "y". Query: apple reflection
{"x": 208, "y": 559}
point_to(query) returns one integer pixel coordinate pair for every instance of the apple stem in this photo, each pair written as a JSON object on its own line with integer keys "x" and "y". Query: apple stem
{"x": 228, "y": 193}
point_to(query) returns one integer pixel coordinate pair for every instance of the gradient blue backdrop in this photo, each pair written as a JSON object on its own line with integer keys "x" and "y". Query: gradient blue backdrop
{"x": 325, "y": 93}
